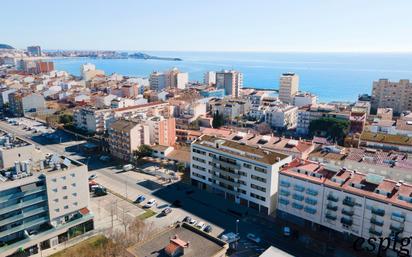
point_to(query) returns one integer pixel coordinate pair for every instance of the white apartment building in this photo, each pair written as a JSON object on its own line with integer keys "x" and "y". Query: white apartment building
{"x": 231, "y": 81}
{"x": 182, "y": 79}
{"x": 288, "y": 87}
{"x": 395, "y": 95}
{"x": 209, "y": 78}
{"x": 157, "y": 81}
{"x": 42, "y": 202}
{"x": 230, "y": 108}
{"x": 345, "y": 201}
{"x": 304, "y": 99}
{"x": 243, "y": 174}
{"x": 282, "y": 116}
{"x": 98, "y": 120}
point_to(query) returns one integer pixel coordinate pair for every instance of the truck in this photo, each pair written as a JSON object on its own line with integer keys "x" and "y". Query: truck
{"x": 127, "y": 167}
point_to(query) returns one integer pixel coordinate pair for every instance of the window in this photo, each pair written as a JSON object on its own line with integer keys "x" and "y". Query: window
{"x": 284, "y": 183}
{"x": 75, "y": 203}
{"x": 74, "y": 194}
{"x": 298, "y": 197}
{"x": 57, "y": 210}
{"x": 311, "y": 201}
{"x": 259, "y": 169}
{"x": 258, "y": 197}
{"x": 246, "y": 165}
{"x": 73, "y": 175}
{"x": 241, "y": 191}
{"x": 242, "y": 182}
{"x": 74, "y": 184}
{"x": 54, "y": 180}
{"x": 299, "y": 188}
{"x": 311, "y": 192}
{"x": 258, "y": 187}
{"x": 198, "y": 167}
{"x": 64, "y": 187}
{"x": 297, "y": 206}
{"x": 66, "y": 207}
{"x": 64, "y": 177}
{"x": 198, "y": 175}
{"x": 65, "y": 197}
{"x": 198, "y": 159}
{"x": 258, "y": 178}
{"x": 56, "y": 200}
{"x": 54, "y": 189}
{"x": 195, "y": 150}
{"x": 310, "y": 210}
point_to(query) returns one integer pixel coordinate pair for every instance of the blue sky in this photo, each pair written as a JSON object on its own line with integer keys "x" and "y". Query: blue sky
{"x": 209, "y": 25}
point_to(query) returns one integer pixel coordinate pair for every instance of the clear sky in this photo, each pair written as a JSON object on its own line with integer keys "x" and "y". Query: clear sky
{"x": 209, "y": 25}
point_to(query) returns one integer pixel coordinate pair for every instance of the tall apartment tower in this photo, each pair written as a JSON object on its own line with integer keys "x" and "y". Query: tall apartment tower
{"x": 288, "y": 87}
{"x": 34, "y": 50}
{"x": 231, "y": 81}
{"x": 209, "y": 78}
{"x": 176, "y": 79}
{"x": 157, "y": 81}
{"x": 395, "y": 95}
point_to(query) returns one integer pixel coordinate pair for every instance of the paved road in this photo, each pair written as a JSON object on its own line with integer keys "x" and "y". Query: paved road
{"x": 199, "y": 205}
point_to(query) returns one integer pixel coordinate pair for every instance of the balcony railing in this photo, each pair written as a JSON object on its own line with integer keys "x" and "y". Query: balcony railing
{"x": 374, "y": 232}
{"x": 349, "y": 202}
{"x": 348, "y": 212}
{"x": 377, "y": 211}
{"x": 376, "y": 222}
{"x": 346, "y": 221}
{"x": 226, "y": 173}
{"x": 332, "y": 207}
{"x": 330, "y": 216}
{"x": 396, "y": 229}
{"x": 333, "y": 198}
{"x": 398, "y": 218}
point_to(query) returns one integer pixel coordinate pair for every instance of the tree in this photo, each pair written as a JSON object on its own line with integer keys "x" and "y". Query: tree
{"x": 263, "y": 128}
{"x": 218, "y": 120}
{"x": 66, "y": 118}
{"x": 331, "y": 128}
{"x": 142, "y": 151}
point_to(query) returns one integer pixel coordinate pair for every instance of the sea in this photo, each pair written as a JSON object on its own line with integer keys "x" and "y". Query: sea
{"x": 331, "y": 76}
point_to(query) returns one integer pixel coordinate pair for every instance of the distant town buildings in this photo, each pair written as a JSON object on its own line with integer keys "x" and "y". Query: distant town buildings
{"x": 34, "y": 50}
{"x": 21, "y": 103}
{"x": 209, "y": 78}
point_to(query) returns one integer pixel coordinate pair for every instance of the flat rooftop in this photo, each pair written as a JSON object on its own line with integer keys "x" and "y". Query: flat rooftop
{"x": 10, "y": 141}
{"x": 372, "y": 186}
{"x": 240, "y": 149}
{"x": 201, "y": 244}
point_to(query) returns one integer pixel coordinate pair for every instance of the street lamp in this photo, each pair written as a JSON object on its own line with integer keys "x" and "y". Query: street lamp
{"x": 237, "y": 231}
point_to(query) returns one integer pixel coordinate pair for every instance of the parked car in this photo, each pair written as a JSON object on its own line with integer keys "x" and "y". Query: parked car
{"x": 150, "y": 203}
{"x": 100, "y": 191}
{"x": 140, "y": 199}
{"x": 253, "y": 237}
{"x": 193, "y": 222}
{"x": 187, "y": 219}
{"x": 201, "y": 225}
{"x": 91, "y": 177}
{"x": 166, "y": 211}
{"x": 208, "y": 229}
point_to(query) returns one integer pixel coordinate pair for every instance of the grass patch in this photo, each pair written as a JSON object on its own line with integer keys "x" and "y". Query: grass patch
{"x": 147, "y": 214}
{"x": 89, "y": 243}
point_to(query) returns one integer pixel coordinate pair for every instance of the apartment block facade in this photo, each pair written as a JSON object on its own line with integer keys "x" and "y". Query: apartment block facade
{"x": 346, "y": 201}
{"x": 288, "y": 87}
{"x": 395, "y": 95}
{"x": 243, "y": 174}
{"x": 231, "y": 81}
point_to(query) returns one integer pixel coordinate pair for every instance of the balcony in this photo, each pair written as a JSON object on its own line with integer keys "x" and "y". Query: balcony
{"x": 23, "y": 215}
{"x": 21, "y": 194}
{"x": 226, "y": 173}
{"x": 24, "y": 226}
{"x": 226, "y": 181}
{"x": 398, "y": 218}
{"x": 396, "y": 229}
{"x": 379, "y": 212}
{"x": 332, "y": 207}
{"x": 226, "y": 163}
{"x": 330, "y": 216}
{"x": 374, "y": 232}
{"x": 333, "y": 198}
{"x": 23, "y": 205}
{"x": 376, "y": 222}
{"x": 346, "y": 221}
{"x": 348, "y": 212}
{"x": 349, "y": 202}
